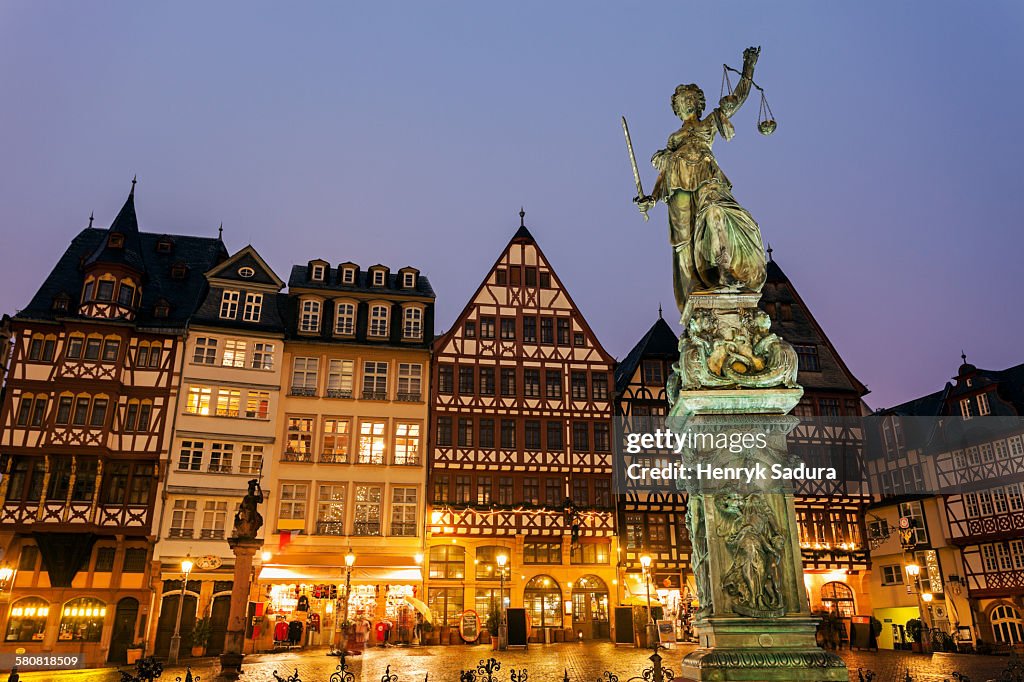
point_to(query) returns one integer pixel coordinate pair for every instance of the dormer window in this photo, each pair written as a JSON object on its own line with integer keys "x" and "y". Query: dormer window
{"x": 162, "y": 309}
{"x": 61, "y": 302}
{"x": 318, "y": 273}
{"x": 179, "y": 270}
{"x": 229, "y": 305}
{"x": 116, "y": 240}
{"x": 379, "y": 320}
{"x": 409, "y": 280}
{"x": 983, "y": 406}
{"x": 348, "y": 275}
{"x": 246, "y": 272}
{"x": 163, "y": 245}
{"x": 378, "y": 278}
{"x": 412, "y": 323}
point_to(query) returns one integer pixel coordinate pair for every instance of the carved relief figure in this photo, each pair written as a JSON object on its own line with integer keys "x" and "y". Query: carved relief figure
{"x": 755, "y": 542}
{"x": 696, "y": 525}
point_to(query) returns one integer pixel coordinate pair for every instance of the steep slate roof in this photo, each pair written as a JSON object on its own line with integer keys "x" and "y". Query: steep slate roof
{"x": 127, "y": 224}
{"x": 1009, "y": 389}
{"x": 659, "y": 341}
{"x": 182, "y": 295}
{"x": 300, "y": 279}
{"x": 803, "y": 329}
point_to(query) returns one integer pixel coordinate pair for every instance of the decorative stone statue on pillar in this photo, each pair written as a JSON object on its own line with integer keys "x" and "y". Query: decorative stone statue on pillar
{"x": 733, "y": 377}
{"x": 244, "y": 544}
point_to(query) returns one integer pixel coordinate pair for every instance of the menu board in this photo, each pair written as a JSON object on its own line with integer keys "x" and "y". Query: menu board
{"x": 624, "y": 625}
{"x": 469, "y": 626}
{"x": 516, "y": 619}
{"x": 666, "y": 631}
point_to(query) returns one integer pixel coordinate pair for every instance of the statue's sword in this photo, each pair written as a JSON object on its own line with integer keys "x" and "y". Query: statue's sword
{"x": 632, "y": 160}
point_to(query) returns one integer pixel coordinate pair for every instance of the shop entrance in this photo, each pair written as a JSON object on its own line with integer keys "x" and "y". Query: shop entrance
{"x": 543, "y": 601}
{"x": 590, "y": 608}
{"x": 219, "y": 612}
{"x": 168, "y": 617}
{"x": 124, "y": 630}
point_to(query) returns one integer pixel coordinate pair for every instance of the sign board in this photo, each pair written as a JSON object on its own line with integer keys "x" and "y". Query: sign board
{"x": 516, "y": 620}
{"x": 206, "y": 563}
{"x": 624, "y": 625}
{"x": 666, "y": 631}
{"x": 860, "y": 633}
{"x": 469, "y": 626}
{"x": 904, "y": 522}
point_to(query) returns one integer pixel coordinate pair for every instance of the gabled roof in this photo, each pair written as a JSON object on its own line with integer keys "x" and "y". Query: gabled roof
{"x": 246, "y": 257}
{"x": 659, "y": 342}
{"x": 125, "y": 224}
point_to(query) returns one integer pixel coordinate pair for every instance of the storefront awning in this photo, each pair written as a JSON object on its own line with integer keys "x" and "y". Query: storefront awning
{"x": 336, "y": 574}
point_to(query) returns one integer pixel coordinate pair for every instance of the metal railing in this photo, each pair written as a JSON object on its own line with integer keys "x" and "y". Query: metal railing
{"x": 330, "y": 528}
{"x": 366, "y": 528}
{"x": 296, "y": 456}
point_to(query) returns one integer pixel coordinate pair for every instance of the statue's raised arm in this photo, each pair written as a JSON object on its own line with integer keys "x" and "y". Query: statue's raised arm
{"x": 731, "y": 103}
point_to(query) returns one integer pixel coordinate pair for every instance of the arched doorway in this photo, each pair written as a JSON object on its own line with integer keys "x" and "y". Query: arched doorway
{"x": 543, "y": 601}
{"x": 590, "y": 607}
{"x": 125, "y": 618}
{"x": 219, "y": 612}
{"x": 168, "y": 617}
{"x": 1007, "y": 625}
{"x": 837, "y": 598}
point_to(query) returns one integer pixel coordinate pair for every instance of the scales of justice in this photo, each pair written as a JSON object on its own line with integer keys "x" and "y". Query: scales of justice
{"x": 733, "y": 376}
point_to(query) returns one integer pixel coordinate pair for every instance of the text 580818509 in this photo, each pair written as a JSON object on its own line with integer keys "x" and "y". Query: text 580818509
{"x": 40, "y": 661}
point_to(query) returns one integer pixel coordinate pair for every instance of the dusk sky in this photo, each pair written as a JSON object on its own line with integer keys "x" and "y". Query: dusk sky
{"x": 410, "y": 134}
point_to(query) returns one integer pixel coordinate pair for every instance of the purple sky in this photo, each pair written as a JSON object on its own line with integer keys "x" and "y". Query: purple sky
{"x": 411, "y": 133}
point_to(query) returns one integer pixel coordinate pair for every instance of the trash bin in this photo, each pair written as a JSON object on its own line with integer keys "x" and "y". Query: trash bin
{"x": 547, "y": 635}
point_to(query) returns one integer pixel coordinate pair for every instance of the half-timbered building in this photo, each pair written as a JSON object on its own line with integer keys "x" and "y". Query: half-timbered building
{"x": 350, "y": 471}
{"x": 91, "y": 395}
{"x": 521, "y": 456}
{"x": 225, "y": 434}
{"x": 961, "y": 450}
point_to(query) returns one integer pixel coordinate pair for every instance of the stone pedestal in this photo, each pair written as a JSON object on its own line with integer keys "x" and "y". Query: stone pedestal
{"x": 734, "y": 386}
{"x": 231, "y": 660}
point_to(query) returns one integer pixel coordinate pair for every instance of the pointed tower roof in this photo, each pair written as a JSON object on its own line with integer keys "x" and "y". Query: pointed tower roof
{"x": 659, "y": 341}
{"x": 122, "y": 244}
{"x": 522, "y": 232}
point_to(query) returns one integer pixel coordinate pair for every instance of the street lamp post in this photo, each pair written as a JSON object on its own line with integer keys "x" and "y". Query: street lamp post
{"x": 914, "y": 571}
{"x": 652, "y": 631}
{"x": 502, "y": 559}
{"x": 350, "y": 559}
{"x": 172, "y": 654}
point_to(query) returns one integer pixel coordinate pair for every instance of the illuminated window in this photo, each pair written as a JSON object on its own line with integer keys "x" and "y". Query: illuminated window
{"x": 372, "y": 437}
{"x": 27, "y": 621}
{"x": 82, "y": 620}
{"x": 407, "y": 444}
{"x": 367, "y": 510}
{"x": 198, "y": 400}
{"x": 234, "y": 353}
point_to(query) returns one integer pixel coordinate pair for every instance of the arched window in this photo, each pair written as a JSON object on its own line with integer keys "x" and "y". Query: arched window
{"x": 837, "y": 597}
{"x": 590, "y": 600}
{"x": 412, "y": 323}
{"x": 82, "y": 620}
{"x": 379, "y": 320}
{"x": 486, "y": 562}
{"x": 543, "y": 601}
{"x": 28, "y": 620}
{"x": 345, "y": 319}
{"x": 448, "y": 562}
{"x": 1007, "y": 625}
{"x": 309, "y": 320}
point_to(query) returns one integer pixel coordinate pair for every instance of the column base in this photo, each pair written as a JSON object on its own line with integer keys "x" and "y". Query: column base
{"x": 760, "y": 650}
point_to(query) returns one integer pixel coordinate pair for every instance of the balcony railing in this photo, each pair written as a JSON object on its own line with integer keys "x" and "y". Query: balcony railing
{"x": 404, "y": 460}
{"x": 330, "y": 527}
{"x": 334, "y": 458}
{"x": 180, "y": 533}
{"x": 226, "y": 412}
{"x": 296, "y": 456}
{"x": 367, "y": 528}
{"x": 375, "y": 395}
{"x": 211, "y": 534}
{"x": 339, "y": 393}
{"x": 304, "y": 391}
{"x": 257, "y": 414}
{"x": 408, "y": 397}
{"x": 224, "y": 468}
{"x": 403, "y": 529}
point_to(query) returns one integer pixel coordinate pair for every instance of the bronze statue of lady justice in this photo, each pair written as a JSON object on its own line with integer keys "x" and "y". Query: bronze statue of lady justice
{"x": 716, "y": 244}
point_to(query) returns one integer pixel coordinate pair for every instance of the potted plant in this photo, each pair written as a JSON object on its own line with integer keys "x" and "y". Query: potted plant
{"x": 913, "y": 629}
{"x": 135, "y": 651}
{"x": 493, "y": 623}
{"x": 200, "y": 637}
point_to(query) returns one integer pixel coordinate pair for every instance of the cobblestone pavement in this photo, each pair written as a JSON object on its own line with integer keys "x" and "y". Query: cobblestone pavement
{"x": 583, "y": 662}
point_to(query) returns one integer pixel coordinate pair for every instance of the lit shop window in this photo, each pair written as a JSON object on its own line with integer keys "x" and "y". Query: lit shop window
{"x": 82, "y": 620}
{"x": 28, "y": 620}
